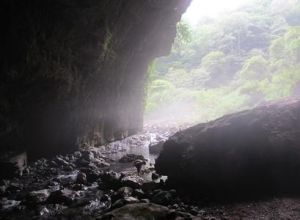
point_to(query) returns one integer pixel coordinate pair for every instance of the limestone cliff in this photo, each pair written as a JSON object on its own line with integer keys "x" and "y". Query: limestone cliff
{"x": 74, "y": 70}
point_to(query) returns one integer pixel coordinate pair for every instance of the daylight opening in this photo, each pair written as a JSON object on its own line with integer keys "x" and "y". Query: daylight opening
{"x": 228, "y": 56}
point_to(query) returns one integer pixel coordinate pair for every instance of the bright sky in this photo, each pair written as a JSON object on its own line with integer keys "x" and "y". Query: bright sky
{"x": 210, "y": 8}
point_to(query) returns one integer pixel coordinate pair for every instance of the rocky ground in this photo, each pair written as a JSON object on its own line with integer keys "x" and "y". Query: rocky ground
{"x": 103, "y": 183}
{"x": 94, "y": 183}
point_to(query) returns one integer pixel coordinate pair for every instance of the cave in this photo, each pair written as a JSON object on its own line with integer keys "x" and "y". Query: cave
{"x": 73, "y": 88}
{"x": 74, "y": 72}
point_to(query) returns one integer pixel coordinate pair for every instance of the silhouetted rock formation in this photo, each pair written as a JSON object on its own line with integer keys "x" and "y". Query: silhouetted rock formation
{"x": 249, "y": 153}
{"x": 74, "y": 71}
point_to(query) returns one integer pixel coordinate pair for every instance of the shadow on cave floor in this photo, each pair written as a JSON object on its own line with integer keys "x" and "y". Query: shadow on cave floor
{"x": 94, "y": 181}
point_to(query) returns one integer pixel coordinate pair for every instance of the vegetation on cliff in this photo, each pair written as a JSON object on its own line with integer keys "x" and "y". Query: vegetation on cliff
{"x": 236, "y": 61}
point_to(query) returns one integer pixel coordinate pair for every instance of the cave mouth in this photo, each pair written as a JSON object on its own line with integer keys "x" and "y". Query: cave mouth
{"x": 227, "y": 57}
{"x": 72, "y": 99}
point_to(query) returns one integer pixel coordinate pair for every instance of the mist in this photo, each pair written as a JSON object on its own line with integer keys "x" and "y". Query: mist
{"x": 235, "y": 56}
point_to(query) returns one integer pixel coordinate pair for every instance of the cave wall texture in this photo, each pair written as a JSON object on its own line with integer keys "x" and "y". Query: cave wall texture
{"x": 74, "y": 71}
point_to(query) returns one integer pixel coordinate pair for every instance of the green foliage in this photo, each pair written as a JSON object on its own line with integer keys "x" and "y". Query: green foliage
{"x": 255, "y": 67}
{"x": 211, "y": 60}
{"x": 231, "y": 63}
{"x": 183, "y": 33}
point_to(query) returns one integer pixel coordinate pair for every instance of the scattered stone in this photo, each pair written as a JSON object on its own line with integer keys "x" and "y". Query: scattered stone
{"x": 156, "y": 148}
{"x": 100, "y": 163}
{"x": 38, "y": 196}
{"x": 124, "y": 191}
{"x": 44, "y": 211}
{"x": 92, "y": 175}
{"x": 60, "y": 161}
{"x": 145, "y": 200}
{"x": 142, "y": 211}
{"x": 111, "y": 179}
{"x": 150, "y": 186}
{"x": 67, "y": 179}
{"x": 139, "y": 164}
{"x": 129, "y": 158}
{"x": 14, "y": 187}
{"x": 139, "y": 193}
{"x": 81, "y": 178}
{"x": 155, "y": 176}
{"x": 82, "y": 162}
{"x": 73, "y": 186}
{"x": 87, "y": 155}
{"x": 117, "y": 204}
{"x": 132, "y": 181}
{"x": 64, "y": 196}
{"x": 130, "y": 200}
{"x": 77, "y": 154}
{"x": 162, "y": 197}
{"x": 94, "y": 206}
{"x": 6, "y": 204}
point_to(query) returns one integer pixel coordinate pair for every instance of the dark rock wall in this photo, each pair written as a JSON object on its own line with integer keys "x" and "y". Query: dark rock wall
{"x": 74, "y": 71}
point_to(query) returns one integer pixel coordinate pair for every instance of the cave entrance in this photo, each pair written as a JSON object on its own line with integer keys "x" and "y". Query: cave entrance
{"x": 228, "y": 56}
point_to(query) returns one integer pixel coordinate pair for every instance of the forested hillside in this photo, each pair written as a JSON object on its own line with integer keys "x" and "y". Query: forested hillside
{"x": 236, "y": 61}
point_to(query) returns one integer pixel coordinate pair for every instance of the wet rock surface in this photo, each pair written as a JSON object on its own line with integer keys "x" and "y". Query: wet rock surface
{"x": 251, "y": 153}
{"x": 87, "y": 183}
{"x": 64, "y": 188}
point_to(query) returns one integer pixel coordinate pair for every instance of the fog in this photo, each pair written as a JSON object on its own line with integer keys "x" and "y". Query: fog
{"x": 228, "y": 56}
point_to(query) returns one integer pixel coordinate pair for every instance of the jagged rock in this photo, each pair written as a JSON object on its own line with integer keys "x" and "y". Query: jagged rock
{"x": 106, "y": 200}
{"x": 150, "y": 186}
{"x": 14, "y": 187}
{"x": 82, "y": 162}
{"x": 60, "y": 161}
{"x": 64, "y": 196}
{"x": 139, "y": 164}
{"x": 6, "y": 204}
{"x": 124, "y": 201}
{"x": 81, "y": 178}
{"x": 155, "y": 176}
{"x": 143, "y": 211}
{"x": 100, "y": 163}
{"x": 132, "y": 181}
{"x": 92, "y": 175}
{"x": 249, "y": 152}
{"x": 111, "y": 179}
{"x": 128, "y": 158}
{"x": 156, "y": 148}
{"x": 139, "y": 193}
{"x": 117, "y": 204}
{"x": 124, "y": 191}
{"x": 3, "y": 186}
{"x": 145, "y": 200}
{"x": 77, "y": 154}
{"x": 38, "y": 196}
{"x": 67, "y": 179}
{"x": 162, "y": 197}
{"x": 87, "y": 155}
{"x": 130, "y": 200}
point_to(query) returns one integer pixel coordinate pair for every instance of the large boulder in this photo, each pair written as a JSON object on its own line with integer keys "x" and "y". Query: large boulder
{"x": 248, "y": 153}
